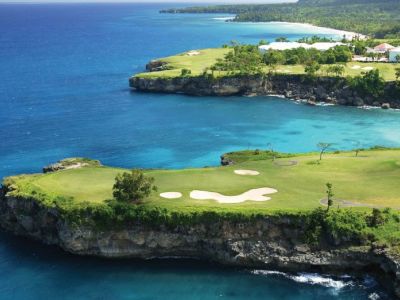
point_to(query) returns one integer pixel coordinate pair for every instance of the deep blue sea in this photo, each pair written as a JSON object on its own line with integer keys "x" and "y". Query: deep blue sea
{"x": 64, "y": 72}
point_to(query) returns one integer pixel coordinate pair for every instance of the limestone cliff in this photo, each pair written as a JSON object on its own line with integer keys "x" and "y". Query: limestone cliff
{"x": 271, "y": 242}
{"x": 322, "y": 89}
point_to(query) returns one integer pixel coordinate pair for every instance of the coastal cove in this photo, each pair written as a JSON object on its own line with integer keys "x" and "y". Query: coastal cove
{"x": 64, "y": 93}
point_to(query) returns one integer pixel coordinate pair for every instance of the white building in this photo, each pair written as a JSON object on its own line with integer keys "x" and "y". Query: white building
{"x": 280, "y": 46}
{"x": 326, "y": 45}
{"x": 393, "y": 54}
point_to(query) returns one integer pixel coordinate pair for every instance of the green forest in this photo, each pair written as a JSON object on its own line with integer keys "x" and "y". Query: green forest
{"x": 379, "y": 19}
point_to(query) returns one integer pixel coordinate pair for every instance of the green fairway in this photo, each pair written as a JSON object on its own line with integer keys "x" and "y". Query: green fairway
{"x": 372, "y": 178}
{"x": 196, "y": 63}
{"x": 208, "y": 57}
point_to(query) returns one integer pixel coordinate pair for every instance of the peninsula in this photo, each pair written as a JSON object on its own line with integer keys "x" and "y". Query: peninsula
{"x": 314, "y": 70}
{"x": 328, "y": 212}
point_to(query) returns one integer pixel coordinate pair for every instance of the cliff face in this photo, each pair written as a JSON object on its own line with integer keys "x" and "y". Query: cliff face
{"x": 273, "y": 242}
{"x": 330, "y": 90}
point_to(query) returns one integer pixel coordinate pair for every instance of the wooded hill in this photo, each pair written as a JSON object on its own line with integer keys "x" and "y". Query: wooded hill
{"x": 380, "y": 19}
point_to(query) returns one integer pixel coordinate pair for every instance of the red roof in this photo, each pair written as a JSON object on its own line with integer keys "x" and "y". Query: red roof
{"x": 383, "y": 47}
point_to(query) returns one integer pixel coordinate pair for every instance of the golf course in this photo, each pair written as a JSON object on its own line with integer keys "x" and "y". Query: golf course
{"x": 198, "y": 60}
{"x": 368, "y": 180}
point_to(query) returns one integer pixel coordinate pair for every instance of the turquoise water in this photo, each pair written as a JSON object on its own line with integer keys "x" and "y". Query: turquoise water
{"x": 64, "y": 92}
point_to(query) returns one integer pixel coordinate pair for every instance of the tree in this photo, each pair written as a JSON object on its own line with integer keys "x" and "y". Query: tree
{"x": 338, "y": 70}
{"x": 370, "y": 84}
{"x": 329, "y": 194}
{"x": 312, "y": 68}
{"x": 185, "y": 72}
{"x": 330, "y": 59}
{"x": 273, "y": 58}
{"x": 281, "y": 39}
{"x": 133, "y": 186}
{"x": 397, "y": 58}
{"x": 271, "y": 149}
{"x": 398, "y": 74}
{"x": 322, "y": 148}
{"x": 357, "y": 149}
{"x": 377, "y": 218}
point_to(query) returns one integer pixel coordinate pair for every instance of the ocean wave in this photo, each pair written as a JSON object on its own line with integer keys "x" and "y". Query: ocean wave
{"x": 309, "y": 278}
{"x": 374, "y": 296}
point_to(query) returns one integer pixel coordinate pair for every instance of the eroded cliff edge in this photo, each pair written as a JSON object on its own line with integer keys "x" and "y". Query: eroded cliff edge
{"x": 321, "y": 89}
{"x": 276, "y": 242}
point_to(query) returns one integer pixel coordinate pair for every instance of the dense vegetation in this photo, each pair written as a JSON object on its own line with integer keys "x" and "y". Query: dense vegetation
{"x": 376, "y": 18}
{"x": 247, "y": 59}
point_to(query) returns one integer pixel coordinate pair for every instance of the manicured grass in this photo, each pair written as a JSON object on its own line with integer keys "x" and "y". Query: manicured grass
{"x": 387, "y": 70}
{"x": 196, "y": 63}
{"x": 371, "y": 178}
{"x": 208, "y": 57}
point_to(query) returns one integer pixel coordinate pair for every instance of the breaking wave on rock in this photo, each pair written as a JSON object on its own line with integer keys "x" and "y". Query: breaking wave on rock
{"x": 309, "y": 278}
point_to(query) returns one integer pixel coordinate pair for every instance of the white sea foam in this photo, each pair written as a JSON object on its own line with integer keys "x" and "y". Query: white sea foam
{"x": 374, "y": 296}
{"x": 309, "y": 278}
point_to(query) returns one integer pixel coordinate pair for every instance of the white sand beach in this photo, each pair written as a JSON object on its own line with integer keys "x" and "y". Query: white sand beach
{"x": 324, "y": 30}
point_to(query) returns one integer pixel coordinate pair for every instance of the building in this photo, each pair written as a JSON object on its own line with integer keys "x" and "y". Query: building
{"x": 383, "y": 48}
{"x": 280, "y": 46}
{"x": 324, "y": 46}
{"x": 393, "y": 54}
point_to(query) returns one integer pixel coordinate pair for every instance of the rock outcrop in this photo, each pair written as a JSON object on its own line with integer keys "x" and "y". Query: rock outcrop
{"x": 271, "y": 242}
{"x": 323, "y": 89}
{"x": 71, "y": 163}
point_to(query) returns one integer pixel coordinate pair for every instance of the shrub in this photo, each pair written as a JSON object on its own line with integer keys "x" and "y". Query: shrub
{"x": 370, "y": 84}
{"x": 185, "y": 72}
{"x": 312, "y": 68}
{"x": 134, "y": 186}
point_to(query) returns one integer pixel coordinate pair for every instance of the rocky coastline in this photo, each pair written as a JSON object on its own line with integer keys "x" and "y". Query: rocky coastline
{"x": 330, "y": 90}
{"x": 271, "y": 243}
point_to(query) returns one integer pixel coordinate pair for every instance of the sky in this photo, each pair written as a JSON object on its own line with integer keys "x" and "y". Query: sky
{"x": 148, "y": 1}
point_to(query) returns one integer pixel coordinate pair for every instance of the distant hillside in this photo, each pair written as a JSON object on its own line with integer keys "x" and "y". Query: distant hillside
{"x": 380, "y": 19}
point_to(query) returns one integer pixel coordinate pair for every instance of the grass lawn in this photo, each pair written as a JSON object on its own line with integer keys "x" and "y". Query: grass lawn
{"x": 387, "y": 70}
{"x": 371, "y": 178}
{"x": 207, "y": 57}
{"x": 196, "y": 63}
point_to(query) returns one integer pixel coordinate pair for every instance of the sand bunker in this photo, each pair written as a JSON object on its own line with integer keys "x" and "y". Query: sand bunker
{"x": 171, "y": 195}
{"x": 251, "y": 195}
{"x": 368, "y": 68}
{"x": 356, "y": 67}
{"x": 247, "y": 172}
{"x": 193, "y": 53}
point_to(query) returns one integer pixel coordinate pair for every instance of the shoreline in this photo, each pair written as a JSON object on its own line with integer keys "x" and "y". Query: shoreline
{"x": 285, "y": 241}
{"x": 349, "y": 34}
{"x": 325, "y": 30}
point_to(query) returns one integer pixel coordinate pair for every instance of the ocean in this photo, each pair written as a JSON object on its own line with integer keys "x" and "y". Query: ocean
{"x": 64, "y": 92}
